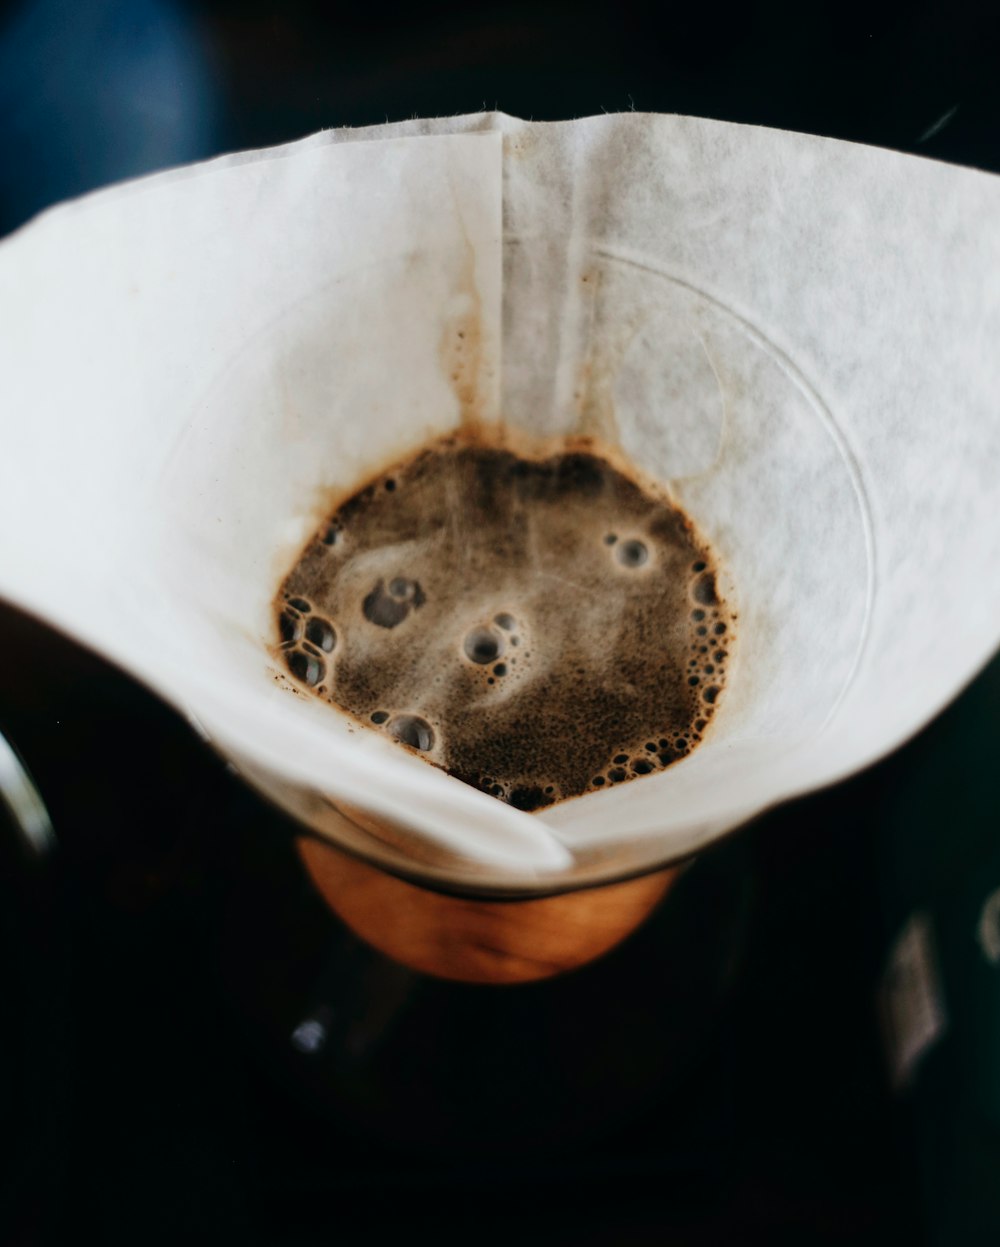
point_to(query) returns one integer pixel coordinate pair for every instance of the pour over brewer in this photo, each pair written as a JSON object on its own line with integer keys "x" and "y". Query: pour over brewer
{"x": 150, "y": 511}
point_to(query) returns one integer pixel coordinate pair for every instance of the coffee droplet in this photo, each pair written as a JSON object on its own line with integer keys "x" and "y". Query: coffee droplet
{"x": 534, "y": 621}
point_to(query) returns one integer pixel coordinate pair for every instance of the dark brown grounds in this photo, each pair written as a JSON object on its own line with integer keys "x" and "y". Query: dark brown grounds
{"x": 538, "y": 627}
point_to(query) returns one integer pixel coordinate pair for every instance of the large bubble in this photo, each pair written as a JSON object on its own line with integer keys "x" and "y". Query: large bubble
{"x": 412, "y": 730}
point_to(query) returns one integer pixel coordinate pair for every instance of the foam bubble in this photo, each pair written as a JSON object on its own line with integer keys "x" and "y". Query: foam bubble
{"x": 404, "y": 590}
{"x": 528, "y": 797}
{"x": 704, "y": 590}
{"x": 383, "y": 608}
{"x": 483, "y": 645}
{"x": 306, "y": 667}
{"x": 412, "y": 730}
{"x": 632, "y": 553}
{"x": 321, "y": 633}
{"x": 290, "y": 627}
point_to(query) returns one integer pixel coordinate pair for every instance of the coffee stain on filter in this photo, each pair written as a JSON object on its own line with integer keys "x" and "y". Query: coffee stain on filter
{"x": 462, "y": 355}
{"x": 602, "y": 348}
{"x": 465, "y": 358}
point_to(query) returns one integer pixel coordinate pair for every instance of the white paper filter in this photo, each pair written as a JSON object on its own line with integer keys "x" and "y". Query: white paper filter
{"x": 797, "y": 335}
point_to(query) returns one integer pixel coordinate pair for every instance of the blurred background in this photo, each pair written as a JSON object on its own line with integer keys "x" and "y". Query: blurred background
{"x": 802, "y": 1047}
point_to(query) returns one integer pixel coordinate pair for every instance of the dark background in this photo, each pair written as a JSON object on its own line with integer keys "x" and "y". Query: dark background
{"x": 95, "y": 90}
{"x": 720, "y": 1078}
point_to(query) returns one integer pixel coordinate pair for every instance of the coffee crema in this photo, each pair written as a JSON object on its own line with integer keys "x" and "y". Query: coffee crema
{"x": 539, "y": 625}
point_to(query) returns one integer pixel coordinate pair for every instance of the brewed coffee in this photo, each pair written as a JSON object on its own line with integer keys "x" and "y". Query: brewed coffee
{"x": 539, "y": 625}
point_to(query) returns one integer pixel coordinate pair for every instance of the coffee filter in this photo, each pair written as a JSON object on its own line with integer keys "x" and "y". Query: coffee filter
{"x": 796, "y": 336}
